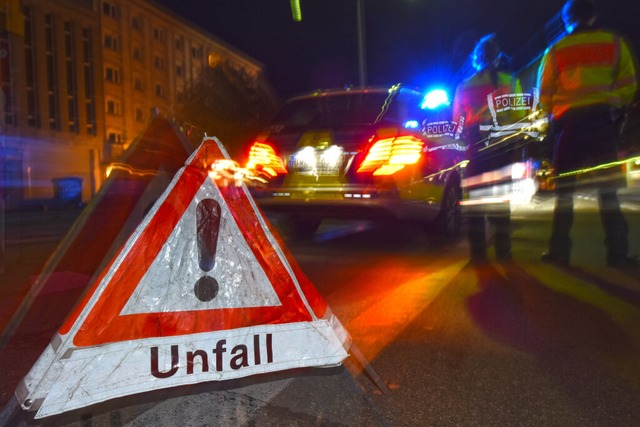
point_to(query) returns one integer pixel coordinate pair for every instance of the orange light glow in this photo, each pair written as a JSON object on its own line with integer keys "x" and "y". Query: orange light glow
{"x": 262, "y": 157}
{"x": 395, "y": 309}
{"x": 390, "y": 155}
{"x": 130, "y": 169}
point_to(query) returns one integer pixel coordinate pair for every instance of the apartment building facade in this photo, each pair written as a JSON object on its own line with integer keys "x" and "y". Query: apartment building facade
{"x": 80, "y": 80}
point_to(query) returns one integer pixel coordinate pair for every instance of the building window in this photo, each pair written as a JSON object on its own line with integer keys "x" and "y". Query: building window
{"x": 158, "y": 62}
{"x": 114, "y": 107}
{"x": 72, "y": 105}
{"x": 213, "y": 60}
{"x": 52, "y": 78}
{"x": 139, "y": 114}
{"x": 196, "y": 52}
{"x": 179, "y": 43}
{"x": 6, "y": 104}
{"x": 111, "y": 42}
{"x": 137, "y": 53}
{"x": 160, "y": 91}
{"x": 110, "y": 9}
{"x": 33, "y": 115}
{"x": 137, "y": 84}
{"x": 114, "y": 137}
{"x": 72, "y": 78}
{"x": 179, "y": 71}
{"x": 136, "y": 23}
{"x": 158, "y": 34}
{"x": 112, "y": 74}
{"x": 89, "y": 92}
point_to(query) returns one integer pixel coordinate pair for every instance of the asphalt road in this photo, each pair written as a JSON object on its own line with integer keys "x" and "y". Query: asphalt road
{"x": 437, "y": 341}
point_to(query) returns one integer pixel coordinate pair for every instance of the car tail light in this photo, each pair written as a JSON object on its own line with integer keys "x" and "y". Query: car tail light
{"x": 263, "y": 158}
{"x": 389, "y": 155}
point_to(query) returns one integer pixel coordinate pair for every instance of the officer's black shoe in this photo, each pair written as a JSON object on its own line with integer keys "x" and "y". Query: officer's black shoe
{"x": 504, "y": 257}
{"x": 479, "y": 260}
{"x": 628, "y": 261}
{"x": 552, "y": 258}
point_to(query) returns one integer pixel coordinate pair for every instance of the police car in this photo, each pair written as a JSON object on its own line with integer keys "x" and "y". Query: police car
{"x": 376, "y": 154}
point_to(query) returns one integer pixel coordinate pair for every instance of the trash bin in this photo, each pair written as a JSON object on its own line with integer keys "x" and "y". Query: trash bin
{"x": 68, "y": 190}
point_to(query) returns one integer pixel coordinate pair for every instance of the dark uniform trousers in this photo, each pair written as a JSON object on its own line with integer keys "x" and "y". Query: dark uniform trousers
{"x": 585, "y": 138}
{"x": 498, "y": 215}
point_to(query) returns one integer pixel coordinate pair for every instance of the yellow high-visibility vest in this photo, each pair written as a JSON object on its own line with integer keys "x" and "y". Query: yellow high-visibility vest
{"x": 478, "y": 102}
{"x": 585, "y": 68}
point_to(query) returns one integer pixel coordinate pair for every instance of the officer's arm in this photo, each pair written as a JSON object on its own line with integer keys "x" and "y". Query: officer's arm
{"x": 459, "y": 112}
{"x": 626, "y": 83}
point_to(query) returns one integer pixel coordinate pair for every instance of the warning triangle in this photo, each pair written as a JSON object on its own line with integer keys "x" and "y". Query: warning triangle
{"x": 203, "y": 290}
{"x": 229, "y": 265}
{"x": 135, "y": 183}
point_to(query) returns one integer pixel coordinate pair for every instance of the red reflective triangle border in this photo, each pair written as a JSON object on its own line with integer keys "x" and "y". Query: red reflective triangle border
{"x": 104, "y": 324}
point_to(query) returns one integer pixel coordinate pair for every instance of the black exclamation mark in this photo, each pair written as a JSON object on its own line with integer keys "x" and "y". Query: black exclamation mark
{"x": 208, "y": 225}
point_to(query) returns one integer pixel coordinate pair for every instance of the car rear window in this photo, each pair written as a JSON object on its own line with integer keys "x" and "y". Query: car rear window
{"x": 342, "y": 109}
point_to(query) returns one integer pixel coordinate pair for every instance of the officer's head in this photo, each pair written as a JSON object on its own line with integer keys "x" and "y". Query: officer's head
{"x": 578, "y": 13}
{"x": 486, "y": 53}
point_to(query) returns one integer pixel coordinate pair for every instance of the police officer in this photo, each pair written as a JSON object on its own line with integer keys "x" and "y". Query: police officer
{"x": 586, "y": 80}
{"x": 473, "y": 112}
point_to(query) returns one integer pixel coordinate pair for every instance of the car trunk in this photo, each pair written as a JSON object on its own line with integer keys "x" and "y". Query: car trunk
{"x": 324, "y": 157}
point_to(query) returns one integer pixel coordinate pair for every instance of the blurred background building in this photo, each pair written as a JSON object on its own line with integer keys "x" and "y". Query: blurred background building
{"x": 80, "y": 79}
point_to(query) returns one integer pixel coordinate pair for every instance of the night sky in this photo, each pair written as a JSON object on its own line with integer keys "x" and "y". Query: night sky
{"x": 418, "y": 42}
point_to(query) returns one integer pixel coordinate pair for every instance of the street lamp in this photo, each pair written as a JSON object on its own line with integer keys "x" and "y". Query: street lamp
{"x": 362, "y": 63}
{"x": 295, "y": 10}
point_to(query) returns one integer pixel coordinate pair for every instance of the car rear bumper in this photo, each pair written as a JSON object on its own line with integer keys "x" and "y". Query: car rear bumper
{"x": 345, "y": 204}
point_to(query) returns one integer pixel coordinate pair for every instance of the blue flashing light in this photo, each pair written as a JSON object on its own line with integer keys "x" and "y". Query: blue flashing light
{"x": 411, "y": 124}
{"x": 434, "y": 99}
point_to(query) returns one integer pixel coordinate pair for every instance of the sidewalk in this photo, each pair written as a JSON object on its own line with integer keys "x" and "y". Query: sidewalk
{"x": 31, "y": 237}
{"x": 38, "y": 225}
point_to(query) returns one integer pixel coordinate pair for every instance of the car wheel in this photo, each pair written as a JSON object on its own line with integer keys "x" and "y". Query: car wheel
{"x": 448, "y": 222}
{"x": 304, "y": 228}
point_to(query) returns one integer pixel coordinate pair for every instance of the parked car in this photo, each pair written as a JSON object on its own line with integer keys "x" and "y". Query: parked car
{"x": 359, "y": 154}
